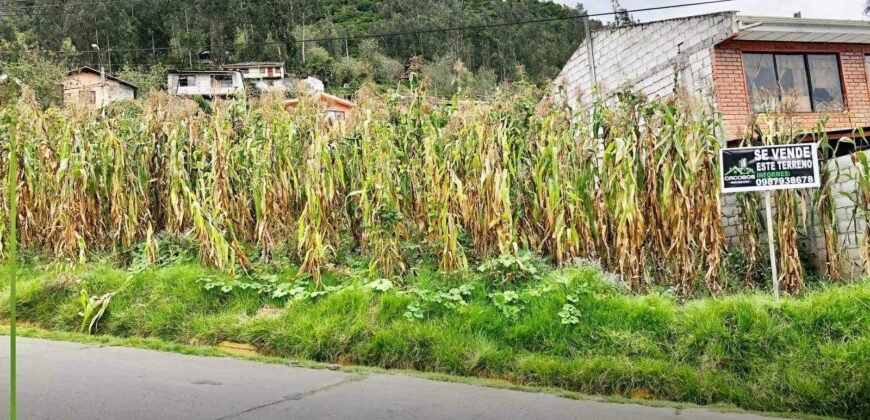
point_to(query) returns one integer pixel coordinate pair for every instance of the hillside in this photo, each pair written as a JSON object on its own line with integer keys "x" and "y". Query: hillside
{"x": 140, "y": 34}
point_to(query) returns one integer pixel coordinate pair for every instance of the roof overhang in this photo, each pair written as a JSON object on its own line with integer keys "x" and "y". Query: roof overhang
{"x": 86, "y": 69}
{"x": 777, "y": 29}
{"x": 252, "y": 65}
{"x": 322, "y": 97}
{"x": 224, "y": 72}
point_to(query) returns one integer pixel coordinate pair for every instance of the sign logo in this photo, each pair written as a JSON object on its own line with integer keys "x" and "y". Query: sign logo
{"x": 742, "y": 168}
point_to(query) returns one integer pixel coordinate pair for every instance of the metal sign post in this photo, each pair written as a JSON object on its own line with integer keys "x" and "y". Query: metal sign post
{"x": 767, "y": 168}
{"x": 770, "y": 240}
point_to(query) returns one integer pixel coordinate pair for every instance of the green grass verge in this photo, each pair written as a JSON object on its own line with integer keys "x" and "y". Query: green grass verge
{"x": 809, "y": 354}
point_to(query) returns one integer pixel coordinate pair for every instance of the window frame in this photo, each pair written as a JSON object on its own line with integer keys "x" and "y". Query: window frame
{"x": 336, "y": 115}
{"x": 806, "y": 60}
{"x": 223, "y": 81}
{"x": 867, "y": 67}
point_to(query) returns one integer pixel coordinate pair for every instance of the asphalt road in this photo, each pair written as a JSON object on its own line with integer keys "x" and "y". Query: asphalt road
{"x": 60, "y": 380}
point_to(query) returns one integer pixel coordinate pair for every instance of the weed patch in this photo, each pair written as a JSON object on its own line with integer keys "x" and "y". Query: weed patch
{"x": 571, "y": 329}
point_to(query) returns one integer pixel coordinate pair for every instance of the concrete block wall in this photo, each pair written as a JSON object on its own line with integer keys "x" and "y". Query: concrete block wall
{"x": 850, "y": 227}
{"x": 648, "y": 57}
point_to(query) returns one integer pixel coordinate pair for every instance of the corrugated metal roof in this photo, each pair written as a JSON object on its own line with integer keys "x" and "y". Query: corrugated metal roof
{"x": 783, "y": 29}
{"x": 108, "y": 76}
{"x": 174, "y": 71}
{"x": 254, "y": 64}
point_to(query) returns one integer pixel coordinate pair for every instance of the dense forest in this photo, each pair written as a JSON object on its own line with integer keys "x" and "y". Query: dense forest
{"x": 142, "y": 38}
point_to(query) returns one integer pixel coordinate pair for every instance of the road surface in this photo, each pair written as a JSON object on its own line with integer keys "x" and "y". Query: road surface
{"x": 61, "y": 380}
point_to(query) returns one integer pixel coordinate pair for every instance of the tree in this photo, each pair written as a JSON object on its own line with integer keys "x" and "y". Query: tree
{"x": 318, "y": 62}
{"x": 621, "y": 16}
{"x": 173, "y": 32}
{"x": 147, "y": 79}
{"x": 43, "y": 73}
{"x": 381, "y": 68}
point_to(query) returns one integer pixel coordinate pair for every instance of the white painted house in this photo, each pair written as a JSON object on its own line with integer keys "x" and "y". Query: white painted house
{"x": 265, "y": 76}
{"x": 207, "y": 83}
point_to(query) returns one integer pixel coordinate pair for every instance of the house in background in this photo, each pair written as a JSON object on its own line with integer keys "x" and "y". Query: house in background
{"x": 312, "y": 84}
{"x": 89, "y": 87}
{"x": 742, "y": 65}
{"x": 336, "y": 108}
{"x": 265, "y": 76}
{"x": 206, "y": 83}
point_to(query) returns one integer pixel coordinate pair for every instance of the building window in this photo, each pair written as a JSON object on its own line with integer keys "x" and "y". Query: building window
{"x": 335, "y": 115}
{"x": 809, "y": 82}
{"x": 184, "y": 81}
{"x": 223, "y": 80}
{"x": 88, "y": 97}
{"x": 867, "y": 66}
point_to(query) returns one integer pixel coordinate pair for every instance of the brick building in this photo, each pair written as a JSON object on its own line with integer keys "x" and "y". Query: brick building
{"x": 92, "y": 88}
{"x": 742, "y": 65}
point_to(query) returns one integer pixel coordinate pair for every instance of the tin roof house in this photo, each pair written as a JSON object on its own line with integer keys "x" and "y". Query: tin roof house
{"x": 93, "y": 88}
{"x": 336, "y": 108}
{"x": 265, "y": 76}
{"x": 205, "y": 83}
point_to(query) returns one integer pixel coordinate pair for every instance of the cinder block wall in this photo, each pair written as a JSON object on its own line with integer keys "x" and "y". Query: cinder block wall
{"x": 647, "y": 57}
{"x": 850, "y": 226}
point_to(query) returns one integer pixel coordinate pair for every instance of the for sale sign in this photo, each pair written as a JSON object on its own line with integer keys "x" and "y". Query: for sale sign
{"x": 769, "y": 167}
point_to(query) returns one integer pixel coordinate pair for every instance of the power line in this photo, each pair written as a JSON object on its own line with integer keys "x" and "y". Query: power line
{"x": 394, "y": 34}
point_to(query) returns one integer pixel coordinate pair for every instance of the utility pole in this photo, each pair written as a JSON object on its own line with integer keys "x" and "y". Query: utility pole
{"x": 770, "y": 240}
{"x": 153, "y": 49}
{"x": 303, "y": 38}
{"x": 187, "y": 33}
{"x": 102, "y": 70}
{"x": 109, "y": 52}
{"x": 590, "y": 53}
{"x": 593, "y": 79}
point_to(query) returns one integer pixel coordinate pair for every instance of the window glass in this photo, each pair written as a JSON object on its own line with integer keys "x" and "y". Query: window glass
{"x": 827, "y": 93}
{"x": 810, "y": 82}
{"x": 335, "y": 115}
{"x": 223, "y": 81}
{"x": 792, "y": 76}
{"x": 183, "y": 81}
{"x": 760, "y": 79}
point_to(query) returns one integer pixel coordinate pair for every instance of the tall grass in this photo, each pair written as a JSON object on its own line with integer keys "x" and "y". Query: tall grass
{"x": 633, "y": 184}
{"x": 804, "y": 354}
{"x": 860, "y": 197}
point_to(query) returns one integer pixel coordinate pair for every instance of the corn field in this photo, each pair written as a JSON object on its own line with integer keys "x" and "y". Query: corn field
{"x": 633, "y": 185}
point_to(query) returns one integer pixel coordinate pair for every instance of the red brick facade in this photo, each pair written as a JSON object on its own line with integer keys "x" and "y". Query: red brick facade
{"x": 732, "y": 97}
